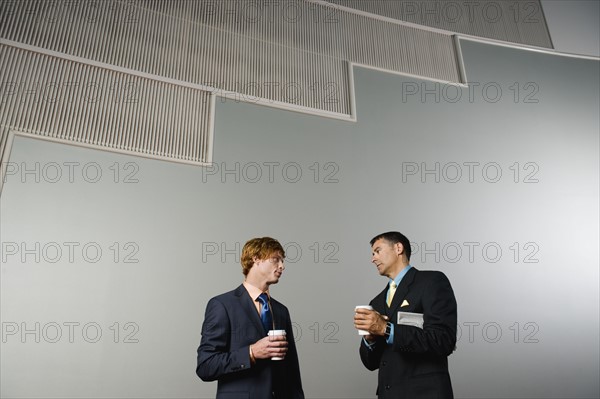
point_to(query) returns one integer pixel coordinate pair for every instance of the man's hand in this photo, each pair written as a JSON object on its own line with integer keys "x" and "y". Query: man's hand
{"x": 371, "y": 321}
{"x": 271, "y": 346}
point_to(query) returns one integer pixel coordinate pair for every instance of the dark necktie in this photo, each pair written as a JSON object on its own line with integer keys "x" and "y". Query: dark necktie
{"x": 265, "y": 312}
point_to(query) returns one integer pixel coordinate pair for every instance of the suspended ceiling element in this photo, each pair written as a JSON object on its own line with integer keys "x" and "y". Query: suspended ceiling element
{"x": 140, "y": 77}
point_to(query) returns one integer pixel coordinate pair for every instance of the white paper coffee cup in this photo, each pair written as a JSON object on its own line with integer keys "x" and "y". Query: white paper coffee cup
{"x": 276, "y": 332}
{"x": 363, "y": 332}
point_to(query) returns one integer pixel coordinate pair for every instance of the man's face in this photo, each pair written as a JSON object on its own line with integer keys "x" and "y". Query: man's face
{"x": 269, "y": 270}
{"x": 386, "y": 257}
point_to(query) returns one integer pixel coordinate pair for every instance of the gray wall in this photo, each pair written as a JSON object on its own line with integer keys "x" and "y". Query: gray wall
{"x": 170, "y": 236}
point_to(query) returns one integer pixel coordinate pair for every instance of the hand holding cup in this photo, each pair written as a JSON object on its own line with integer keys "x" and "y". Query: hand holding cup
{"x": 275, "y": 336}
{"x": 368, "y": 307}
{"x": 274, "y": 346}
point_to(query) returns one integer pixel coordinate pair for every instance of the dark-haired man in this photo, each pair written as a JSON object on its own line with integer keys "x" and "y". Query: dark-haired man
{"x": 235, "y": 348}
{"x": 412, "y": 360}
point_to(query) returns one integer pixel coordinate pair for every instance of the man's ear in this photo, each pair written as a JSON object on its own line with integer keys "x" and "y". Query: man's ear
{"x": 399, "y": 248}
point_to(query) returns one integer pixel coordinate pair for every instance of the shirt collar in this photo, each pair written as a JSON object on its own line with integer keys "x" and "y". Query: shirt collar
{"x": 254, "y": 291}
{"x": 400, "y": 275}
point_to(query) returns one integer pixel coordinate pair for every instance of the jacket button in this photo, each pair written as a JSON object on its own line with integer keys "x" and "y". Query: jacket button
{"x": 387, "y": 387}
{"x": 383, "y": 363}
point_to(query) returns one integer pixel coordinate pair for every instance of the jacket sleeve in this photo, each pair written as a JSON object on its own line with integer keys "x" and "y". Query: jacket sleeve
{"x": 215, "y": 357}
{"x": 438, "y": 336}
{"x": 293, "y": 366}
{"x": 371, "y": 356}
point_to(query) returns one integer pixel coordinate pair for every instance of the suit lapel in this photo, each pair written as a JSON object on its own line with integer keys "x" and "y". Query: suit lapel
{"x": 402, "y": 290}
{"x": 379, "y": 303}
{"x": 248, "y": 306}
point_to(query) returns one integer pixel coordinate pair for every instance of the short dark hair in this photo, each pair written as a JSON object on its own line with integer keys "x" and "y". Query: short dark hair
{"x": 394, "y": 237}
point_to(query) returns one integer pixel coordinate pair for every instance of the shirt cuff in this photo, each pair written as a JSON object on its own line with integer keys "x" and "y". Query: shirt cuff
{"x": 252, "y": 358}
{"x": 369, "y": 345}
{"x": 390, "y": 338}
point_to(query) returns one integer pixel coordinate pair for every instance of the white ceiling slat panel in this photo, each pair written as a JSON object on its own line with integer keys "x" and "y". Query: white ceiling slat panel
{"x": 67, "y": 101}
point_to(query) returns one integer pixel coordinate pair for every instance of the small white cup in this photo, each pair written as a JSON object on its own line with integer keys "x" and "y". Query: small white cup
{"x": 276, "y": 332}
{"x": 363, "y": 332}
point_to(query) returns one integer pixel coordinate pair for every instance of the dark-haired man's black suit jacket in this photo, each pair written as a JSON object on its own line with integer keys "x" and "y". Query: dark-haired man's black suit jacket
{"x": 231, "y": 325}
{"x": 416, "y": 365}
